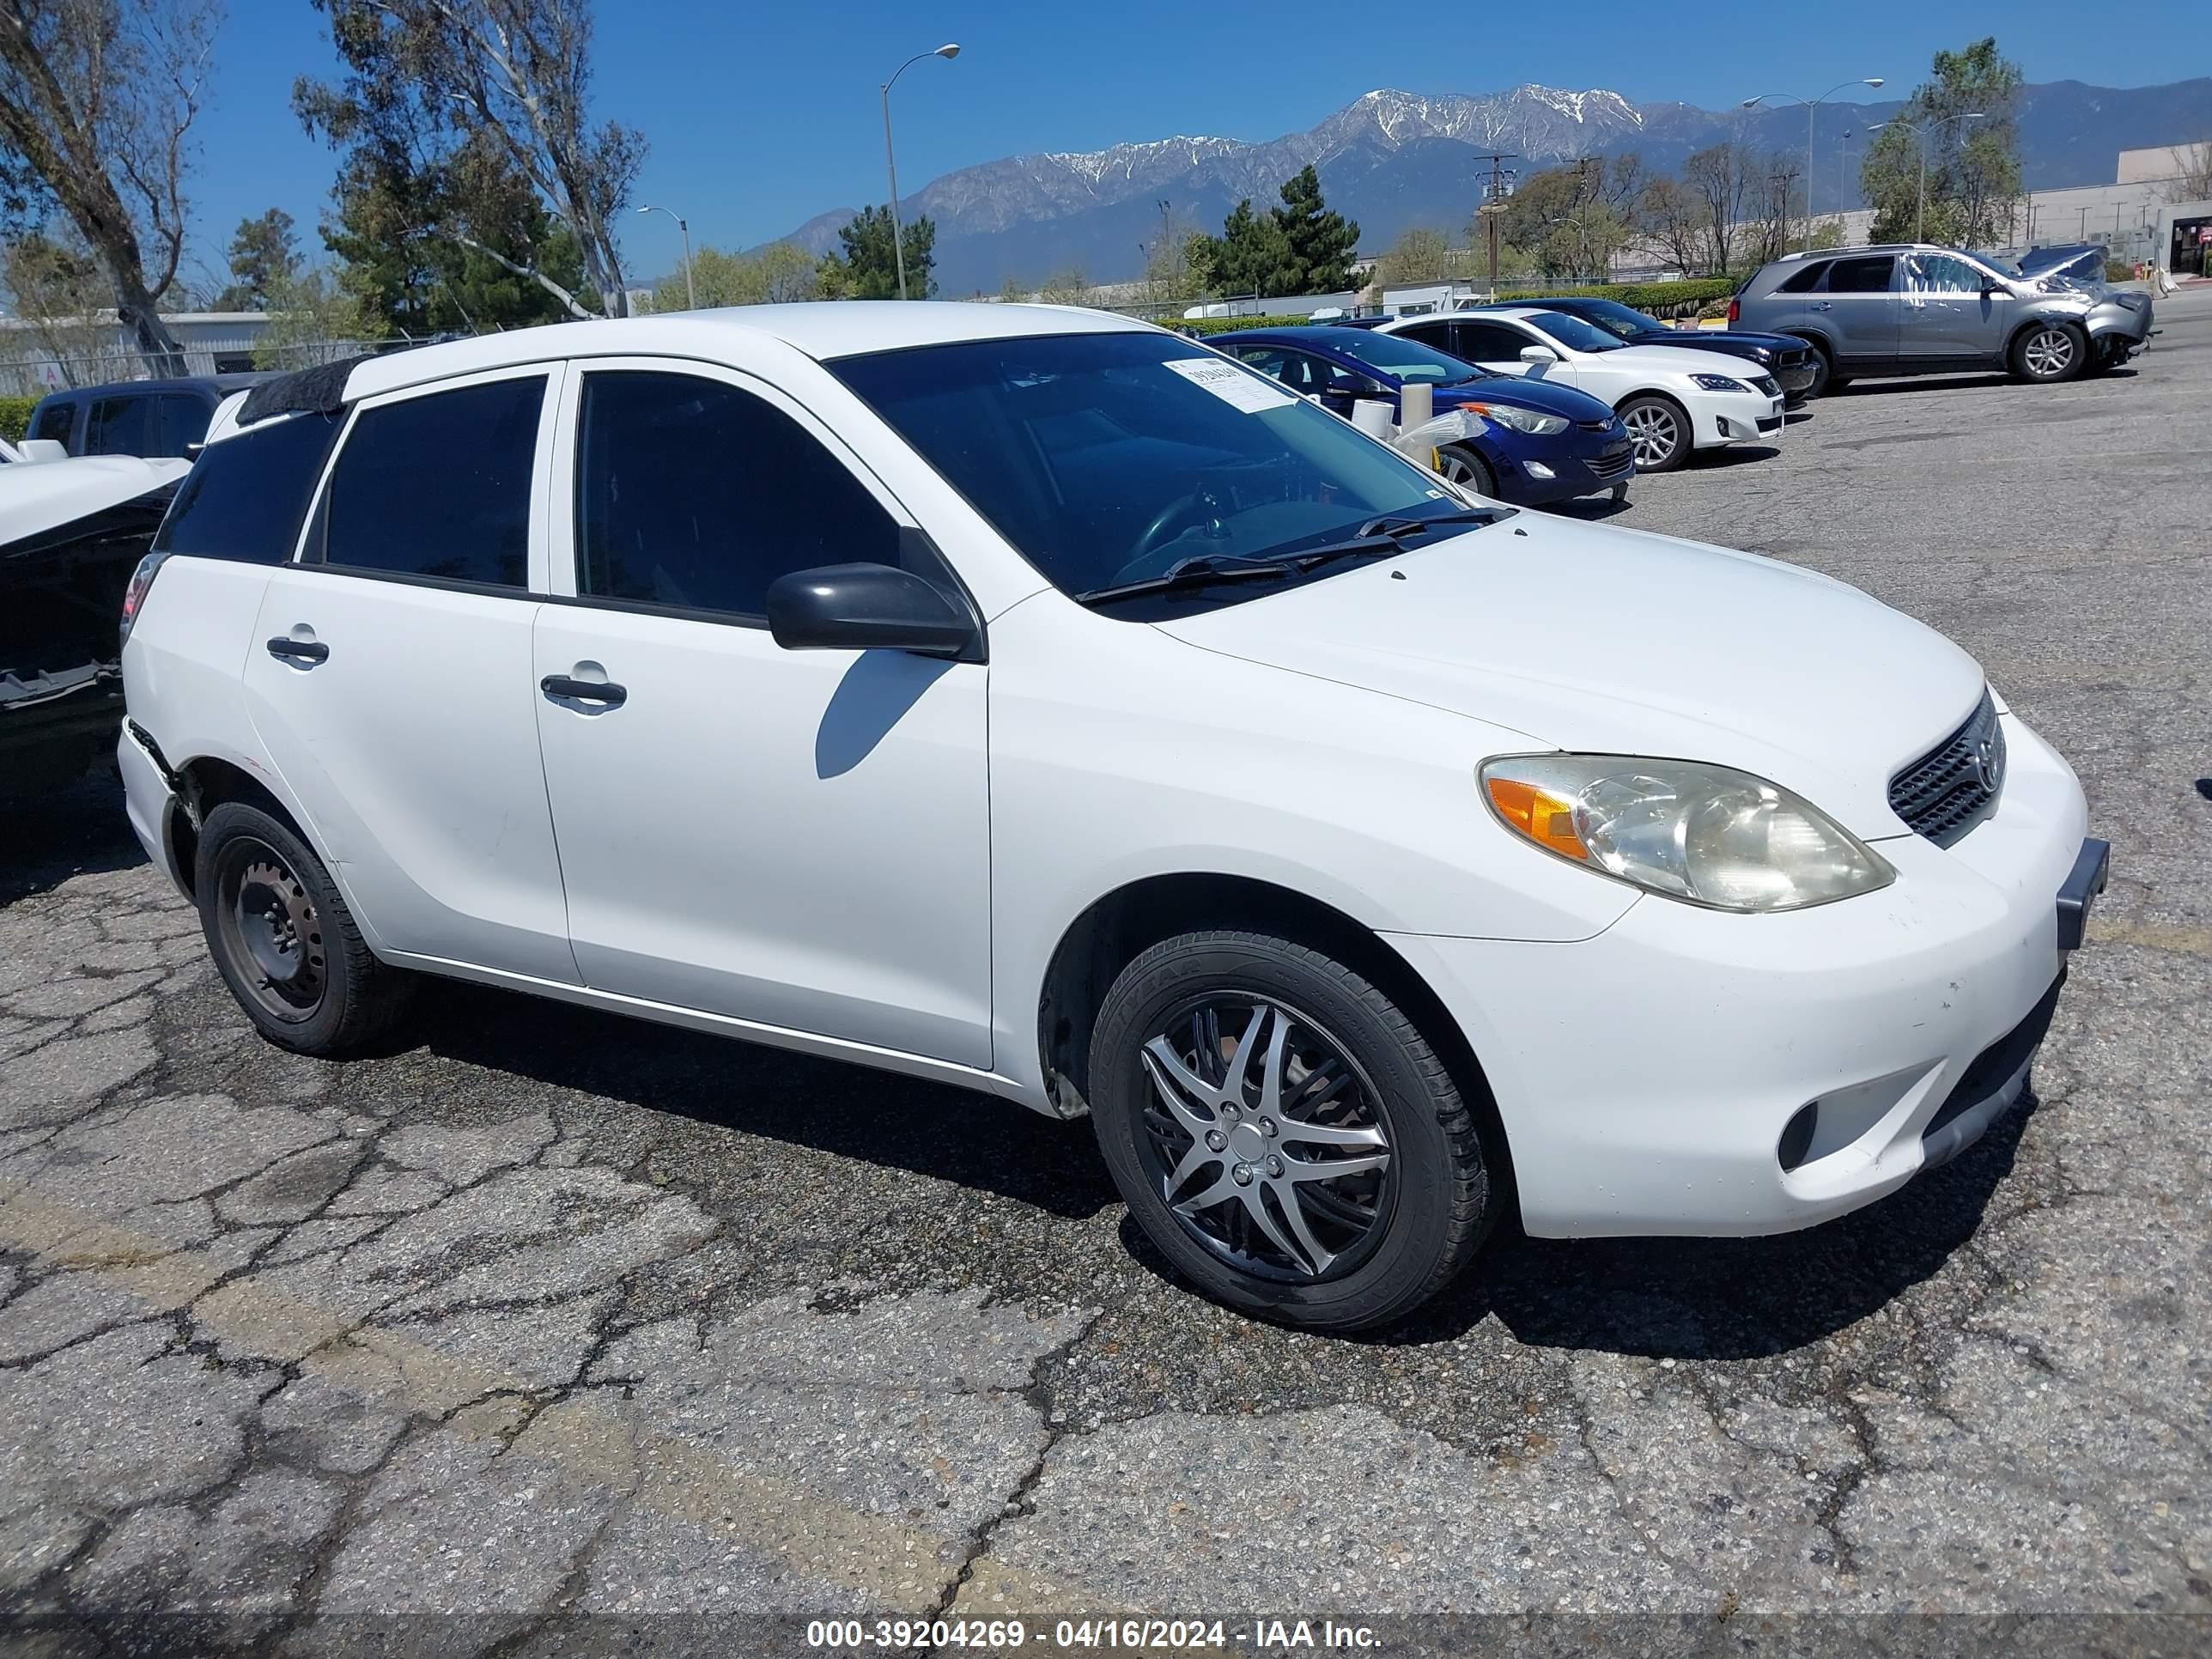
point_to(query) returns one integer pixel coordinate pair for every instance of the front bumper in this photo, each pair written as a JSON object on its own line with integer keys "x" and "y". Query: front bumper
{"x": 1592, "y": 470}
{"x": 1649, "y": 1079}
{"x": 1730, "y": 417}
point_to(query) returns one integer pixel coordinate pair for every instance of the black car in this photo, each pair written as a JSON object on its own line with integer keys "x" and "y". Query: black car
{"x": 1788, "y": 360}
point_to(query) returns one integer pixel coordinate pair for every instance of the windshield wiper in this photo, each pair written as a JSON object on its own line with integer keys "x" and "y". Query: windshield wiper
{"x": 1201, "y": 570}
{"x": 1405, "y": 524}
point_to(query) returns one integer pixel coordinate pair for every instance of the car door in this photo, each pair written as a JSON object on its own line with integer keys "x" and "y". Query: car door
{"x": 1860, "y": 305}
{"x": 796, "y": 838}
{"x": 1943, "y": 314}
{"x": 390, "y": 676}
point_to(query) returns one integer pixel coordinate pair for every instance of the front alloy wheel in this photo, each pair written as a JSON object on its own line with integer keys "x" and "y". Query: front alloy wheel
{"x": 1659, "y": 431}
{"x": 1265, "y": 1138}
{"x": 2049, "y": 354}
{"x": 1284, "y": 1134}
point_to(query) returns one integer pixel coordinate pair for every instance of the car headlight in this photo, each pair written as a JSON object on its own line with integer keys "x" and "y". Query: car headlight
{"x": 1705, "y": 834}
{"x": 1521, "y": 420}
{"x": 1719, "y": 383}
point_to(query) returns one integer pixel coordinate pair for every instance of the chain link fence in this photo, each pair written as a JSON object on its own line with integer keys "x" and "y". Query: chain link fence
{"x": 33, "y": 374}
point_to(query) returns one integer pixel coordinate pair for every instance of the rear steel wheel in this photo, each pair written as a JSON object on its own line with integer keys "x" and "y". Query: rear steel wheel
{"x": 272, "y": 930}
{"x": 1265, "y": 1137}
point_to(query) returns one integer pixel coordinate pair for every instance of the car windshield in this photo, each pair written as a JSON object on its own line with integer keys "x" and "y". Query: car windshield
{"x": 1573, "y": 333}
{"x": 1406, "y": 359}
{"x": 1615, "y": 318}
{"x": 1110, "y": 458}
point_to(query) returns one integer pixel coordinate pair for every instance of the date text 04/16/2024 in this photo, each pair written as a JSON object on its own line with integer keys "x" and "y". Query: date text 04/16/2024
{"x": 1133, "y": 1635}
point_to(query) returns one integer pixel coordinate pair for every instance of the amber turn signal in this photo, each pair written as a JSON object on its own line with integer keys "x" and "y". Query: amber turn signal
{"x": 1545, "y": 818}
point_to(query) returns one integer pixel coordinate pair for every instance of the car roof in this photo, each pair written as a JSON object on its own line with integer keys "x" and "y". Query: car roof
{"x": 824, "y": 330}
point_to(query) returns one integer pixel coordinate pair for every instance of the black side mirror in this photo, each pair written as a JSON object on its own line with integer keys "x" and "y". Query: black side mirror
{"x": 870, "y": 607}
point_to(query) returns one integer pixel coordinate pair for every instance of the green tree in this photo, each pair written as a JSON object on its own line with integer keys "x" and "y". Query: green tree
{"x": 1421, "y": 255}
{"x": 1320, "y": 243}
{"x": 312, "y": 320}
{"x": 1070, "y": 287}
{"x": 262, "y": 258}
{"x": 1252, "y": 255}
{"x": 1974, "y": 167}
{"x": 778, "y": 274}
{"x": 868, "y": 268}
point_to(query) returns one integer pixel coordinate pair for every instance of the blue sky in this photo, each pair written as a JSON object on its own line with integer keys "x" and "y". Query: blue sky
{"x": 760, "y": 117}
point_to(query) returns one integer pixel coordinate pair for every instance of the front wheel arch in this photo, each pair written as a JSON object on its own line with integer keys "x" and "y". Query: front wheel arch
{"x": 1686, "y": 444}
{"x": 1119, "y": 926}
{"x": 2083, "y": 349}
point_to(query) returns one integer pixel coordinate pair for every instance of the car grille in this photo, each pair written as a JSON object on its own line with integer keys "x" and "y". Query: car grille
{"x": 1768, "y": 383}
{"x": 1595, "y": 426}
{"x": 1941, "y": 794}
{"x": 1613, "y": 466}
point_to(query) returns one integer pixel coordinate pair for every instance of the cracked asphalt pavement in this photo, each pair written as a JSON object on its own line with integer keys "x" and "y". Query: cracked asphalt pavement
{"x": 549, "y": 1331}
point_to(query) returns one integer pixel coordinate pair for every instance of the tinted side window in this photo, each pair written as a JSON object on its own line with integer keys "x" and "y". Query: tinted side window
{"x": 244, "y": 497}
{"x": 440, "y": 485}
{"x": 54, "y": 422}
{"x": 1488, "y": 342}
{"x": 122, "y": 426}
{"x": 1805, "y": 281}
{"x": 692, "y": 493}
{"x": 183, "y": 422}
{"x": 1869, "y": 276}
{"x": 1438, "y": 335}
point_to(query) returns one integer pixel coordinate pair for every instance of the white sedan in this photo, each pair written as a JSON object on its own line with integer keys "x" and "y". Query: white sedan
{"x": 1051, "y": 705}
{"x": 1673, "y": 399}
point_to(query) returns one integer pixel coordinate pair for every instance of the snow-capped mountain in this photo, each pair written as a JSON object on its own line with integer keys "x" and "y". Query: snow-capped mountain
{"x": 1391, "y": 160}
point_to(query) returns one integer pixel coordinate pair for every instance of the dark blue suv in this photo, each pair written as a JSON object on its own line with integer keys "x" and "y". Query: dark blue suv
{"x": 1538, "y": 443}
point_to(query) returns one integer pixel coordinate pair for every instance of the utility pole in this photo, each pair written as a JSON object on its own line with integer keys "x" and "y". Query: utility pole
{"x": 1494, "y": 204}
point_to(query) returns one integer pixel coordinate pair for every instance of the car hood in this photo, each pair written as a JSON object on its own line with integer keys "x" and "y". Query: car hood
{"x": 1684, "y": 359}
{"x": 35, "y": 498}
{"x": 1716, "y": 339}
{"x": 1543, "y": 396}
{"x": 1589, "y": 638}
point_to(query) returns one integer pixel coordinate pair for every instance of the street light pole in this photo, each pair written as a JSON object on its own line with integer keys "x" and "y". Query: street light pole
{"x": 948, "y": 52}
{"x": 690, "y": 293}
{"x": 1811, "y": 104}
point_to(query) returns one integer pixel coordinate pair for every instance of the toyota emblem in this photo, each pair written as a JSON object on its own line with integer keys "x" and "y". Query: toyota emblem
{"x": 1989, "y": 763}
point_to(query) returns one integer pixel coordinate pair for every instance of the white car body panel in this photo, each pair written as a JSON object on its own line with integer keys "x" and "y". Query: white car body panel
{"x": 36, "y": 496}
{"x": 1616, "y": 375}
{"x": 875, "y": 856}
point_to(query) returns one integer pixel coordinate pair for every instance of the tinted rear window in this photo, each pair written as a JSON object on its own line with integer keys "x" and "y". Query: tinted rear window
{"x": 438, "y": 485}
{"x": 1804, "y": 282}
{"x": 245, "y": 496}
{"x": 1869, "y": 276}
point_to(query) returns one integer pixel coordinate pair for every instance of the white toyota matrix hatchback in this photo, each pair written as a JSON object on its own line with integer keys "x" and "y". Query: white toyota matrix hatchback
{"x": 1032, "y": 699}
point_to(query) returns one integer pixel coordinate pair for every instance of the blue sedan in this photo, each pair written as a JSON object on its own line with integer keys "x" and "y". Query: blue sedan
{"x": 1539, "y": 442}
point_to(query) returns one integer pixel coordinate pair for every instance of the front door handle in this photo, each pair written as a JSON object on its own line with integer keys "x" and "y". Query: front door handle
{"x": 301, "y": 654}
{"x": 564, "y": 688}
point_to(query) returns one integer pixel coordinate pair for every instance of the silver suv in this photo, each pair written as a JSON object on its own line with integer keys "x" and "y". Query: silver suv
{"x": 1909, "y": 309}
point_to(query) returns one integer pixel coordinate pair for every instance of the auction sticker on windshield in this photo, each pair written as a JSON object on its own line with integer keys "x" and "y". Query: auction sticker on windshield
{"x": 1236, "y": 387}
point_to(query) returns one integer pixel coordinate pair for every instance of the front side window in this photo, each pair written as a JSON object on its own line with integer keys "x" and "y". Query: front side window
{"x": 1487, "y": 343}
{"x": 183, "y": 422}
{"x": 245, "y": 496}
{"x": 1939, "y": 273}
{"x": 1113, "y": 457}
{"x": 439, "y": 486}
{"x": 693, "y": 494}
{"x": 122, "y": 426}
{"x": 1868, "y": 275}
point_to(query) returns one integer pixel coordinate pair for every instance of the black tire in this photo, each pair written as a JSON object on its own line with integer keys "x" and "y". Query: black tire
{"x": 1647, "y": 413}
{"x": 283, "y": 940}
{"x": 2047, "y": 353}
{"x": 1824, "y": 373}
{"x": 1429, "y": 1207}
{"x": 1478, "y": 477}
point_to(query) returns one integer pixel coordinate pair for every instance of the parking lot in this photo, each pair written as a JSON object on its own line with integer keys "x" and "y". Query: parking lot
{"x": 550, "y": 1332}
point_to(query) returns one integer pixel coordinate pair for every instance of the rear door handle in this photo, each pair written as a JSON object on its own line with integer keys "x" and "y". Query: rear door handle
{"x": 1822, "y": 305}
{"x": 303, "y": 653}
{"x": 562, "y": 687}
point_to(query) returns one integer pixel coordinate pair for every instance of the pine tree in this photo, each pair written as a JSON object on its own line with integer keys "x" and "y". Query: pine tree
{"x": 1320, "y": 243}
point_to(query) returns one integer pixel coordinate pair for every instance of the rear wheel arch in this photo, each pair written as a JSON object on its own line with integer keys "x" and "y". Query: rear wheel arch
{"x": 1119, "y": 926}
{"x": 205, "y": 783}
